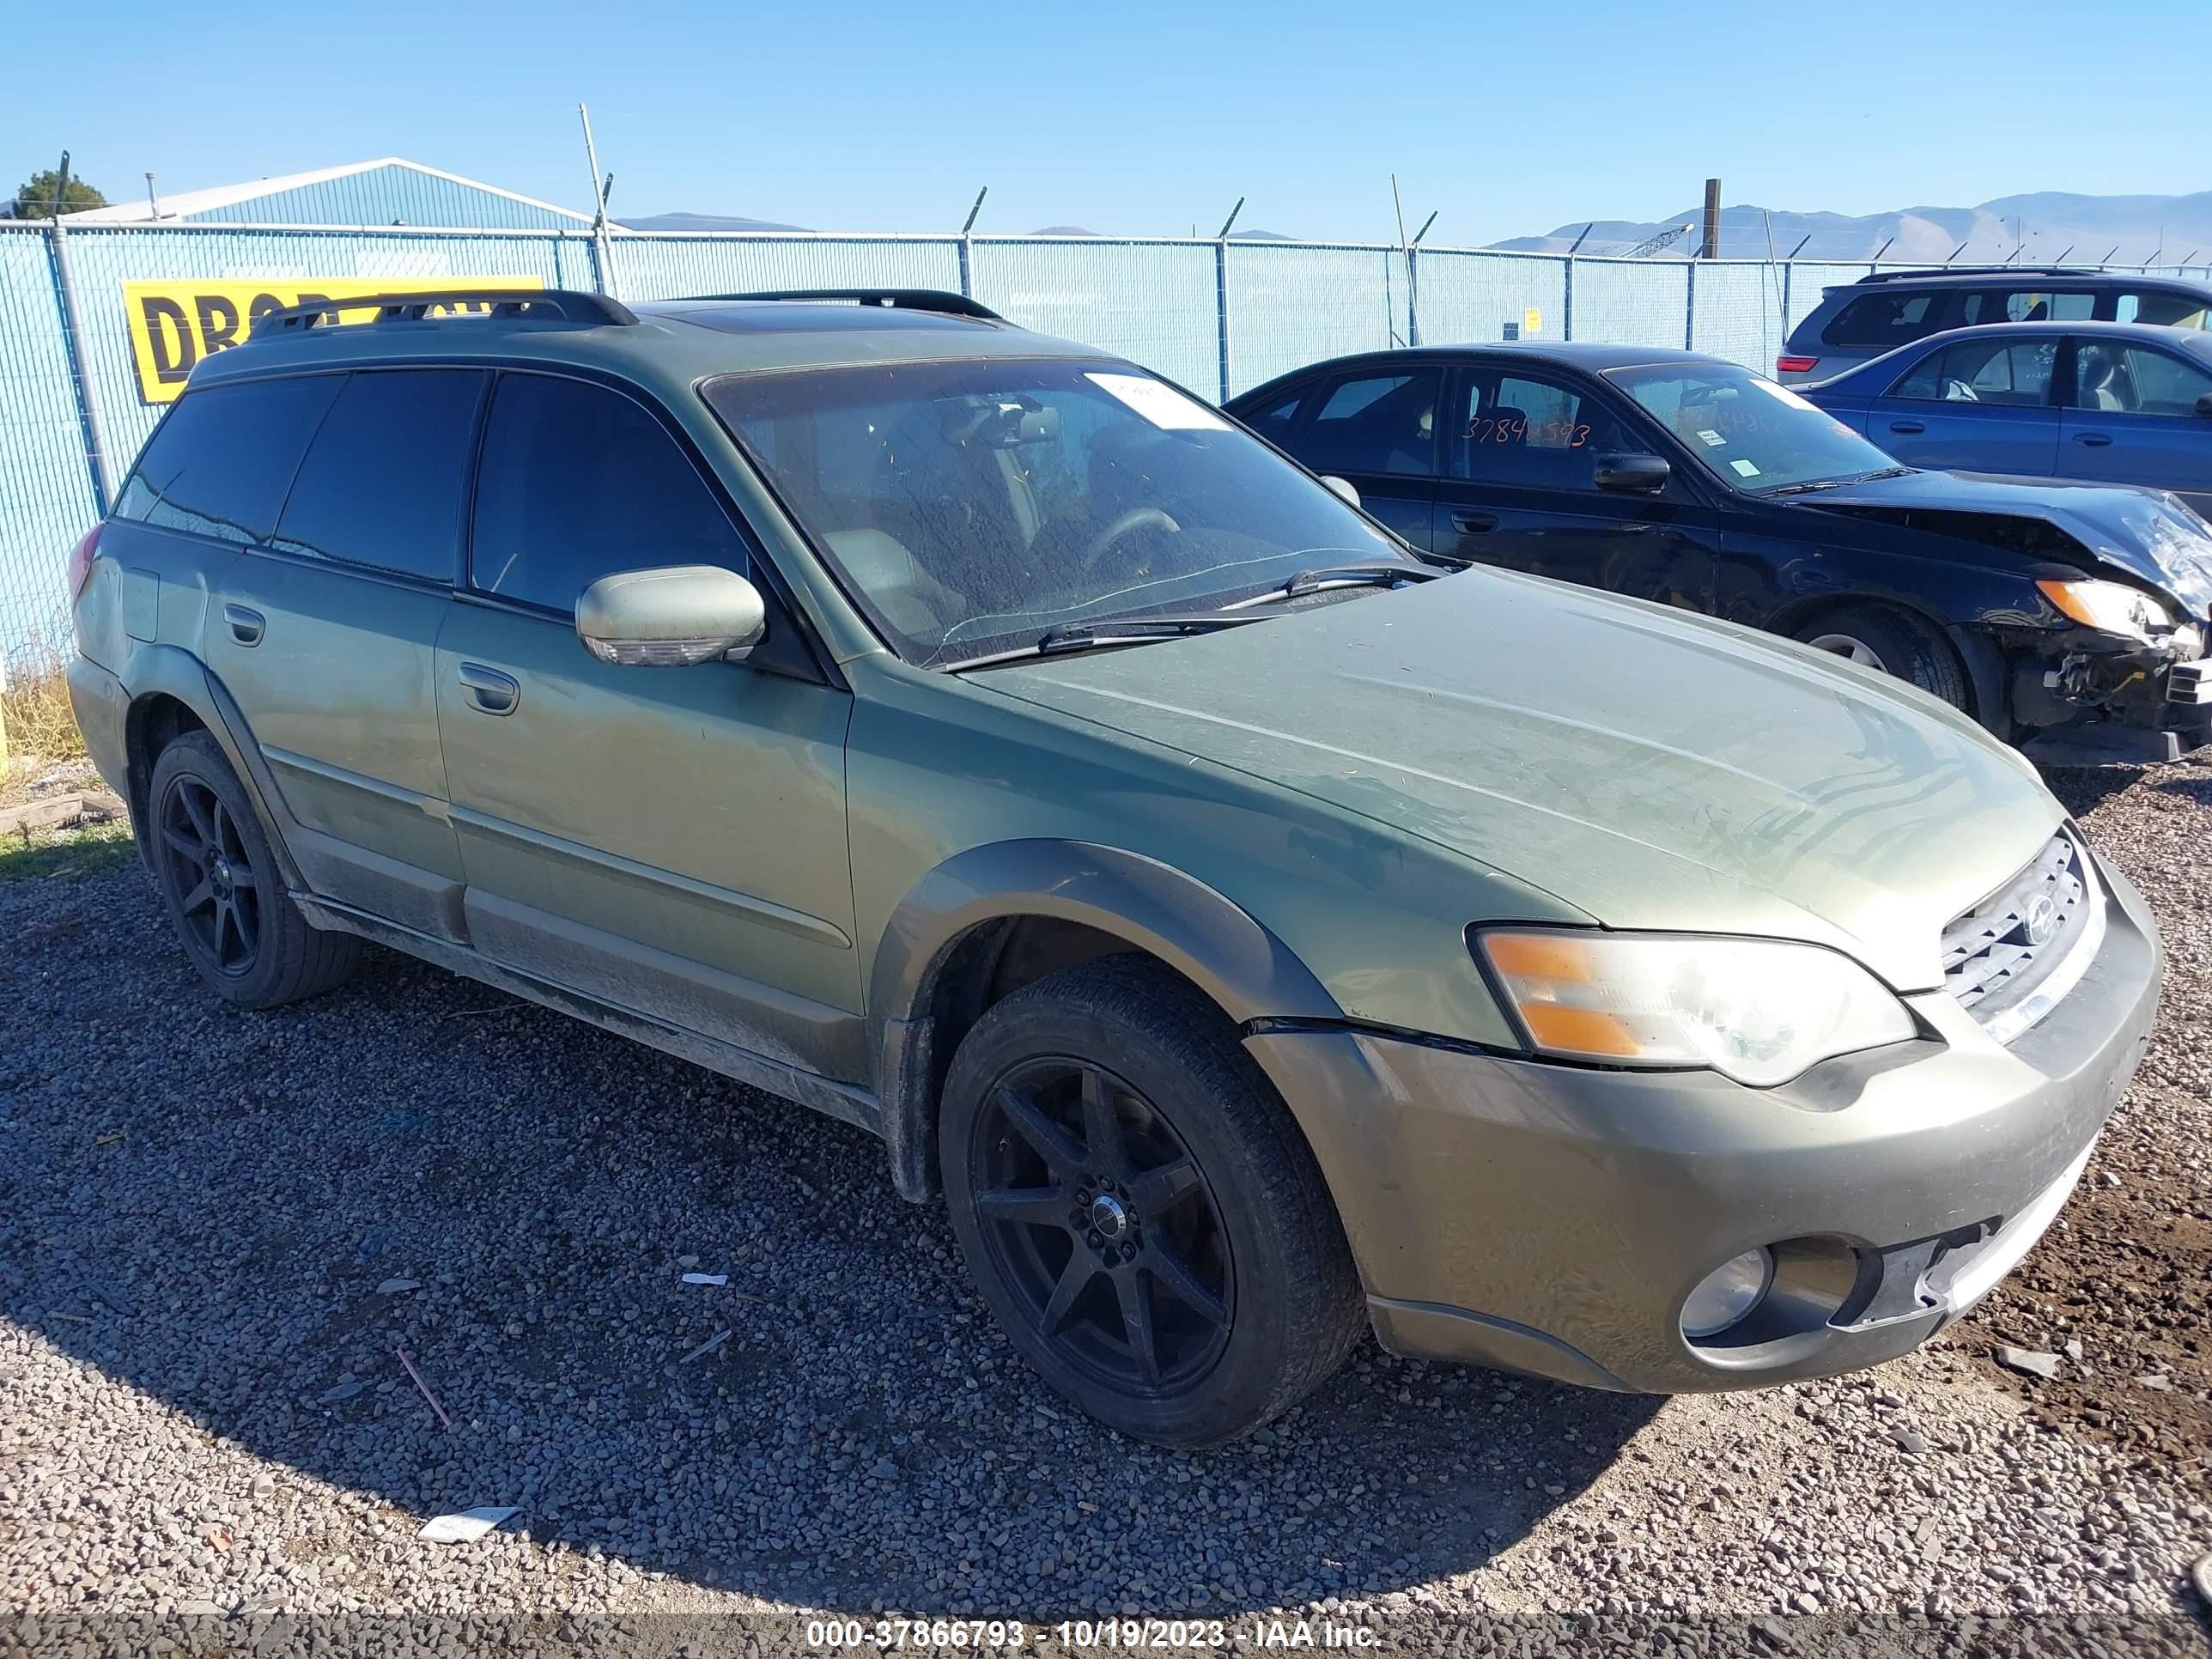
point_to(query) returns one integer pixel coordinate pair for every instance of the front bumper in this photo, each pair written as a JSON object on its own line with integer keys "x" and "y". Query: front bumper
{"x": 1553, "y": 1220}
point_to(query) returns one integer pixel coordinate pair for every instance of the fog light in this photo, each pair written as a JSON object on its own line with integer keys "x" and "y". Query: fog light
{"x": 1727, "y": 1294}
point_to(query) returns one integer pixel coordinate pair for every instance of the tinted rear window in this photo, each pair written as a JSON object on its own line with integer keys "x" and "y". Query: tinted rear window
{"x": 1884, "y": 320}
{"x": 383, "y": 481}
{"x": 220, "y": 464}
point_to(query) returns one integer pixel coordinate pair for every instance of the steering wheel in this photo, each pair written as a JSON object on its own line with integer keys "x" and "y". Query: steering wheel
{"x": 1136, "y": 519}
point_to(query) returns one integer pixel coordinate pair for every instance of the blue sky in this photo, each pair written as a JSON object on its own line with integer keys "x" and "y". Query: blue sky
{"x": 1135, "y": 118}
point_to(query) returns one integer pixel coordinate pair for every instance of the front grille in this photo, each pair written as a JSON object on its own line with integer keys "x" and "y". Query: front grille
{"x": 1996, "y": 955}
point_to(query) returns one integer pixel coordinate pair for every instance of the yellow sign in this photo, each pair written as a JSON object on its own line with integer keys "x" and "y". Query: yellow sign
{"x": 1531, "y": 322}
{"x": 174, "y": 324}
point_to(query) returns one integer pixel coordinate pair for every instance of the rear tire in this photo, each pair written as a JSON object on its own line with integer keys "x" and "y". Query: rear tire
{"x": 1891, "y": 642}
{"x": 224, "y": 888}
{"x": 1142, "y": 1215}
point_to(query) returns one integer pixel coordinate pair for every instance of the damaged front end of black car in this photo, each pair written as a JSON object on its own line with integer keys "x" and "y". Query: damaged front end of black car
{"x": 2100, "y": 655}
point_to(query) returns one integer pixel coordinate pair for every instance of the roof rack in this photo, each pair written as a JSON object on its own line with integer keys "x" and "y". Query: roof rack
{"x": 568, "y": 305}
{"x": 1922, "y": 273}
{"x": 903, "y": 298}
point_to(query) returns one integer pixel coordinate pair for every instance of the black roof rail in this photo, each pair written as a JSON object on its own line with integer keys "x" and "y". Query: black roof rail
{"x": 1922, "y": 273}
{"x": 568, "y": 305}
{"x": 903, "y": 298}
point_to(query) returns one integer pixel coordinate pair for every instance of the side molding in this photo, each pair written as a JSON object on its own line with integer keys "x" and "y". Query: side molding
{"x": 1246, "y": 970}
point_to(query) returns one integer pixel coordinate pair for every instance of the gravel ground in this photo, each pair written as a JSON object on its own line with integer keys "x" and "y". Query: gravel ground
{"x": 216, "y": 1231}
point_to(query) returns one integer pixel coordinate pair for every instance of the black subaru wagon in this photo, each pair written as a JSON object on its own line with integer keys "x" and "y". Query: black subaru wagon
{"x": 2076, "y": 613}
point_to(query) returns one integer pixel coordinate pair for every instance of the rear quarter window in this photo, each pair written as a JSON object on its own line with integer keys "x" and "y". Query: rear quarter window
{"x": 1881, "y": 321}
{"x": 220, "y": 464}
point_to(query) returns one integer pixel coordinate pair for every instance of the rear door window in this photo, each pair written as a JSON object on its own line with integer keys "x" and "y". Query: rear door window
{"x": 1882, "y": 321}
{"x": 2025, "y": 305}
{"x": 221, "y": 462}
{"x": 1374, "y": 423}
{"x": 2011, "y": 372}
{"x": 383, "y": 482}
{"x": 578, "y": 481}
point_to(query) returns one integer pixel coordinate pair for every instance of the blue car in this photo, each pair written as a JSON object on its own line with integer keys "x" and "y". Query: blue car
{"x": 2105, "y": 403}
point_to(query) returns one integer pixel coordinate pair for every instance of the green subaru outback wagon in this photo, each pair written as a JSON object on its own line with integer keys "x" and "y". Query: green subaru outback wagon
{"x": 1253, "y": 934}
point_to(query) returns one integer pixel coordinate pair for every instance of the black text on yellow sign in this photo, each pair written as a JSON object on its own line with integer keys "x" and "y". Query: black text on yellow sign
{"x": 173, "y": 325}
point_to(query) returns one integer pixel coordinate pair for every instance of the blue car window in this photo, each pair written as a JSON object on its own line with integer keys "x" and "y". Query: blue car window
{"x": 2131, "y": 380}
{"x": 2013, "y": 372}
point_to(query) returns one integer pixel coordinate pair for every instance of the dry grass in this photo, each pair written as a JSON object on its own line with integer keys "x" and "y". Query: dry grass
{"x": 35, "y": 705}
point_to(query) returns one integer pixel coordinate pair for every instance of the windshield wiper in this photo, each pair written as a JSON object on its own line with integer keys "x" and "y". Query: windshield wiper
{"x": 1340, "y": 575}
{"x": 1831, "y": 483}
{"x": 1095, "y": 635}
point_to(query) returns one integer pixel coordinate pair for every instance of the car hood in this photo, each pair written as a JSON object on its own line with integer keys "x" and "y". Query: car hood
{"x": 1650, "y": 769}
{"x": 2146, "y": 534}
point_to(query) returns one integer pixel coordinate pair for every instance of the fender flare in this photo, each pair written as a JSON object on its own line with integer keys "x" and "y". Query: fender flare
{"x": 171, "y": 671}
{"x": 1212, "y": 941}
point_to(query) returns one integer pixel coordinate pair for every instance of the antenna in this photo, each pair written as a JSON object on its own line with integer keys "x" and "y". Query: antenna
{"x": 976, "y": 210}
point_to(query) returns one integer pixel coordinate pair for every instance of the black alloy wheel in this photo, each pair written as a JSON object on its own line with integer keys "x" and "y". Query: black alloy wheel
{"x": 1097, "y": 1217}
{"x": 210, "y": 876}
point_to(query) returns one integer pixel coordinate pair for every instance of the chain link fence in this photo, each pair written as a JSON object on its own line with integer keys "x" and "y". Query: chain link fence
{"x": 1218, "y": 317}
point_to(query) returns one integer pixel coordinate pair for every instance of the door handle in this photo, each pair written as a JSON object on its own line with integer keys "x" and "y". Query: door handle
{"x": 246, "y": 625}
{"x": 2094, "y": 439}
{"x": 1474, "y": 524}
{"x": 488, "y": 691}
{"x": 1908, "y": 426}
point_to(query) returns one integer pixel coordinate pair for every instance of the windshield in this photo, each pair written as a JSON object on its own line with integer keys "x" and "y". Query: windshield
{"x": 972, "y": 507}
{"x": 1746, "y": 431}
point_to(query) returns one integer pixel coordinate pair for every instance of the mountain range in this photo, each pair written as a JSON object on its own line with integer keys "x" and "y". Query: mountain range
{"x": 2041, "y": 227}
{"x": 2045, "y": 226}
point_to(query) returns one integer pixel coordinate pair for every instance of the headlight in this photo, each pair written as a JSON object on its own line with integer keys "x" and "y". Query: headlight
{"x": 2113, "y": 606}
{"x": 1759, "y": 1011}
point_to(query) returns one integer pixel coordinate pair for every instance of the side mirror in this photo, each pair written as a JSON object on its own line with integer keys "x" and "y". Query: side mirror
{"x": 2204, "y": 405}
{"x": 671, "y": 617}
{"x": 1343, "y": 487}
{"x": 1634, "y": 475}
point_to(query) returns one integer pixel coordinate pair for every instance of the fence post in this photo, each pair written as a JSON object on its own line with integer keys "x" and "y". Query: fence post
{"x": 1221, "y": 304}
{"x": 80, "y": 365}
{"x": 1414, "y": 293}
{"x": 967, "y": 266}
{"x": 1690, "y": 311}
{"x": 1567, "y": 303}
{"x": 598, "y": 271}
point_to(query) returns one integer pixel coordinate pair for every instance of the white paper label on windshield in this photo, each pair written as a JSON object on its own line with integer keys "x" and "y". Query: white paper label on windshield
{"x": 1744, "y": 469}
{"x": 1159, "y": 403}
{"x": 1713, "y": 439}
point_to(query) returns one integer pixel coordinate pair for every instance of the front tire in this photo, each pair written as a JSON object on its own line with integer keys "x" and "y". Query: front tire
{"x": 1890, "y": 642}
{"x": 1140, "y": 1211}
{"x": 224, "y": 889}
